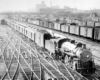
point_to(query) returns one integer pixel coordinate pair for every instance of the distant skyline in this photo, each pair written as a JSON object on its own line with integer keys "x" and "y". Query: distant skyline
{"x": 30, "y": 5}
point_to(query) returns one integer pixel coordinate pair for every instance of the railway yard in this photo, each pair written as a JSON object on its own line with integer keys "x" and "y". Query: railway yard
{"x": 33, "y": 52}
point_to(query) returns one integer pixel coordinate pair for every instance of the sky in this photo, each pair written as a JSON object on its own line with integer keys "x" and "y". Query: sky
{"x": 25, "y": 5}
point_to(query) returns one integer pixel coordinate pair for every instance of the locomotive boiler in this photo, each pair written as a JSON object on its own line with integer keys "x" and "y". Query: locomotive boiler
{"x": 78, "y": 56}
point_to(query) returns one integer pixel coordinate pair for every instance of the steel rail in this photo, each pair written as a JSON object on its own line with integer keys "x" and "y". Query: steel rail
{"x": 23, "y": 58}
{"x": 45, "y": 67}
{"x": 30, "y": 47}
{"x": 4, "y": 60}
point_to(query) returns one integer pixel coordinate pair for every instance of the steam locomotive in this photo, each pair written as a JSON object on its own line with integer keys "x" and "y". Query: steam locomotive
{"x": 74, "y": 54}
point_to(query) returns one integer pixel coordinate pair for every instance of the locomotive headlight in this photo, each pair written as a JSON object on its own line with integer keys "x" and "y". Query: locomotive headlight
{"x": 86, "y": 55}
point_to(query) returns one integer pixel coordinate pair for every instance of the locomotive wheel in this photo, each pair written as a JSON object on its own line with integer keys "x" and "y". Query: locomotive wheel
{"x": 66, "y": 60}
{"x": 74, "y": 65}
{"x": 54, "y": 56}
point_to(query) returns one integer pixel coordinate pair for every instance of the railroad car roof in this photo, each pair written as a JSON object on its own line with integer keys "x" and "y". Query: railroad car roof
{"x": 57, "y": 39}
{"x": 97, "y": 27}
{"x": 31, "y": 18}
{"x": 22, "y": 25}
{"x": 43, "y": 31}
{"x": 31, "y": 30}
{"x": 73, "y": 23}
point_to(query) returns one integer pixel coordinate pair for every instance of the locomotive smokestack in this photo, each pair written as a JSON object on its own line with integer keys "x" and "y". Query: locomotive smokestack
{"x": 84, "y": 46}
{"x": 72, "y": 41}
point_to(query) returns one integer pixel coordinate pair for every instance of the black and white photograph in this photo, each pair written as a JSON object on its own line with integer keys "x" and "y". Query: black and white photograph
{"x": 49, "y": 39}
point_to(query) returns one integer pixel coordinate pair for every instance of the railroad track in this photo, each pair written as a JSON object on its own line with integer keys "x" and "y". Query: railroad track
{"x": 95, "y": 76}
{"x": 50, "y": 65}
{"x": 3, "y": 68}
{"x": 92, "y": 77}
{"x": 9, "y": 65}
{"x": 26, "y": 40}
{"x": 6, "y": 62}
{"x": 61, "y": 65}
{"x": 97, "y": 73}
{"x": 58, "y": 65}
{"x": 11, "y": 69}
{"x": 97, "y": 58}
{"x": 51, "y": 69}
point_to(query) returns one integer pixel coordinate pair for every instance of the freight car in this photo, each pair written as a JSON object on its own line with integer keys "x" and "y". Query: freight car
{"x": 83, "y": 29}
{"x": 38, "y": 36}
{"x": 89, "y": 32}
{"x": 41, "y": 36}
{"x": 97, "y": 33}
{"x": 76, "y": 55}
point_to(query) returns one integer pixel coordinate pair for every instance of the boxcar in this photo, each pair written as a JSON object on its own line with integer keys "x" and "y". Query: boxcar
{"x": 63, "y": 27}
{"x": 14, "y": 26}
{"x": 75, "y": 21}
{"x": 24, "y": 19}
{"x": 87, "y": 31}
{"x": 22, "y": 28}
{"x": 90, "y": 31}
{"x": 46, "y": 24}
{"x": 97, "y": 23}
{"x": 30, "y": 33}
{"x": 49, "y": 45}
{"x": 41, "y": 22}
{"x": 51, "y": 25}
{"x": 41, "y": 36}
{"x": 17, "y": 27}
{"x": 72, "y": 28}
{"x": 97, "y": 33}
{"x": 36, "y": 22}
{"x": 58, "y": 26}
{"x": 90, "y": 23}
{"x": 30, "y": 20}
{"x": 76, "y": 30}
{"x": 83, "y": 31}
{"x": 67, "y": 28}
{"x": 81, "y": 23}
{"x": 55, "y": 25}
{"x": 68, "y": 20}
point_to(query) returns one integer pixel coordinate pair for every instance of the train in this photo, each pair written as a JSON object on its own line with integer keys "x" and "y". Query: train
{"x": 81, "y": 28}
{"x": 72, "y": 53}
